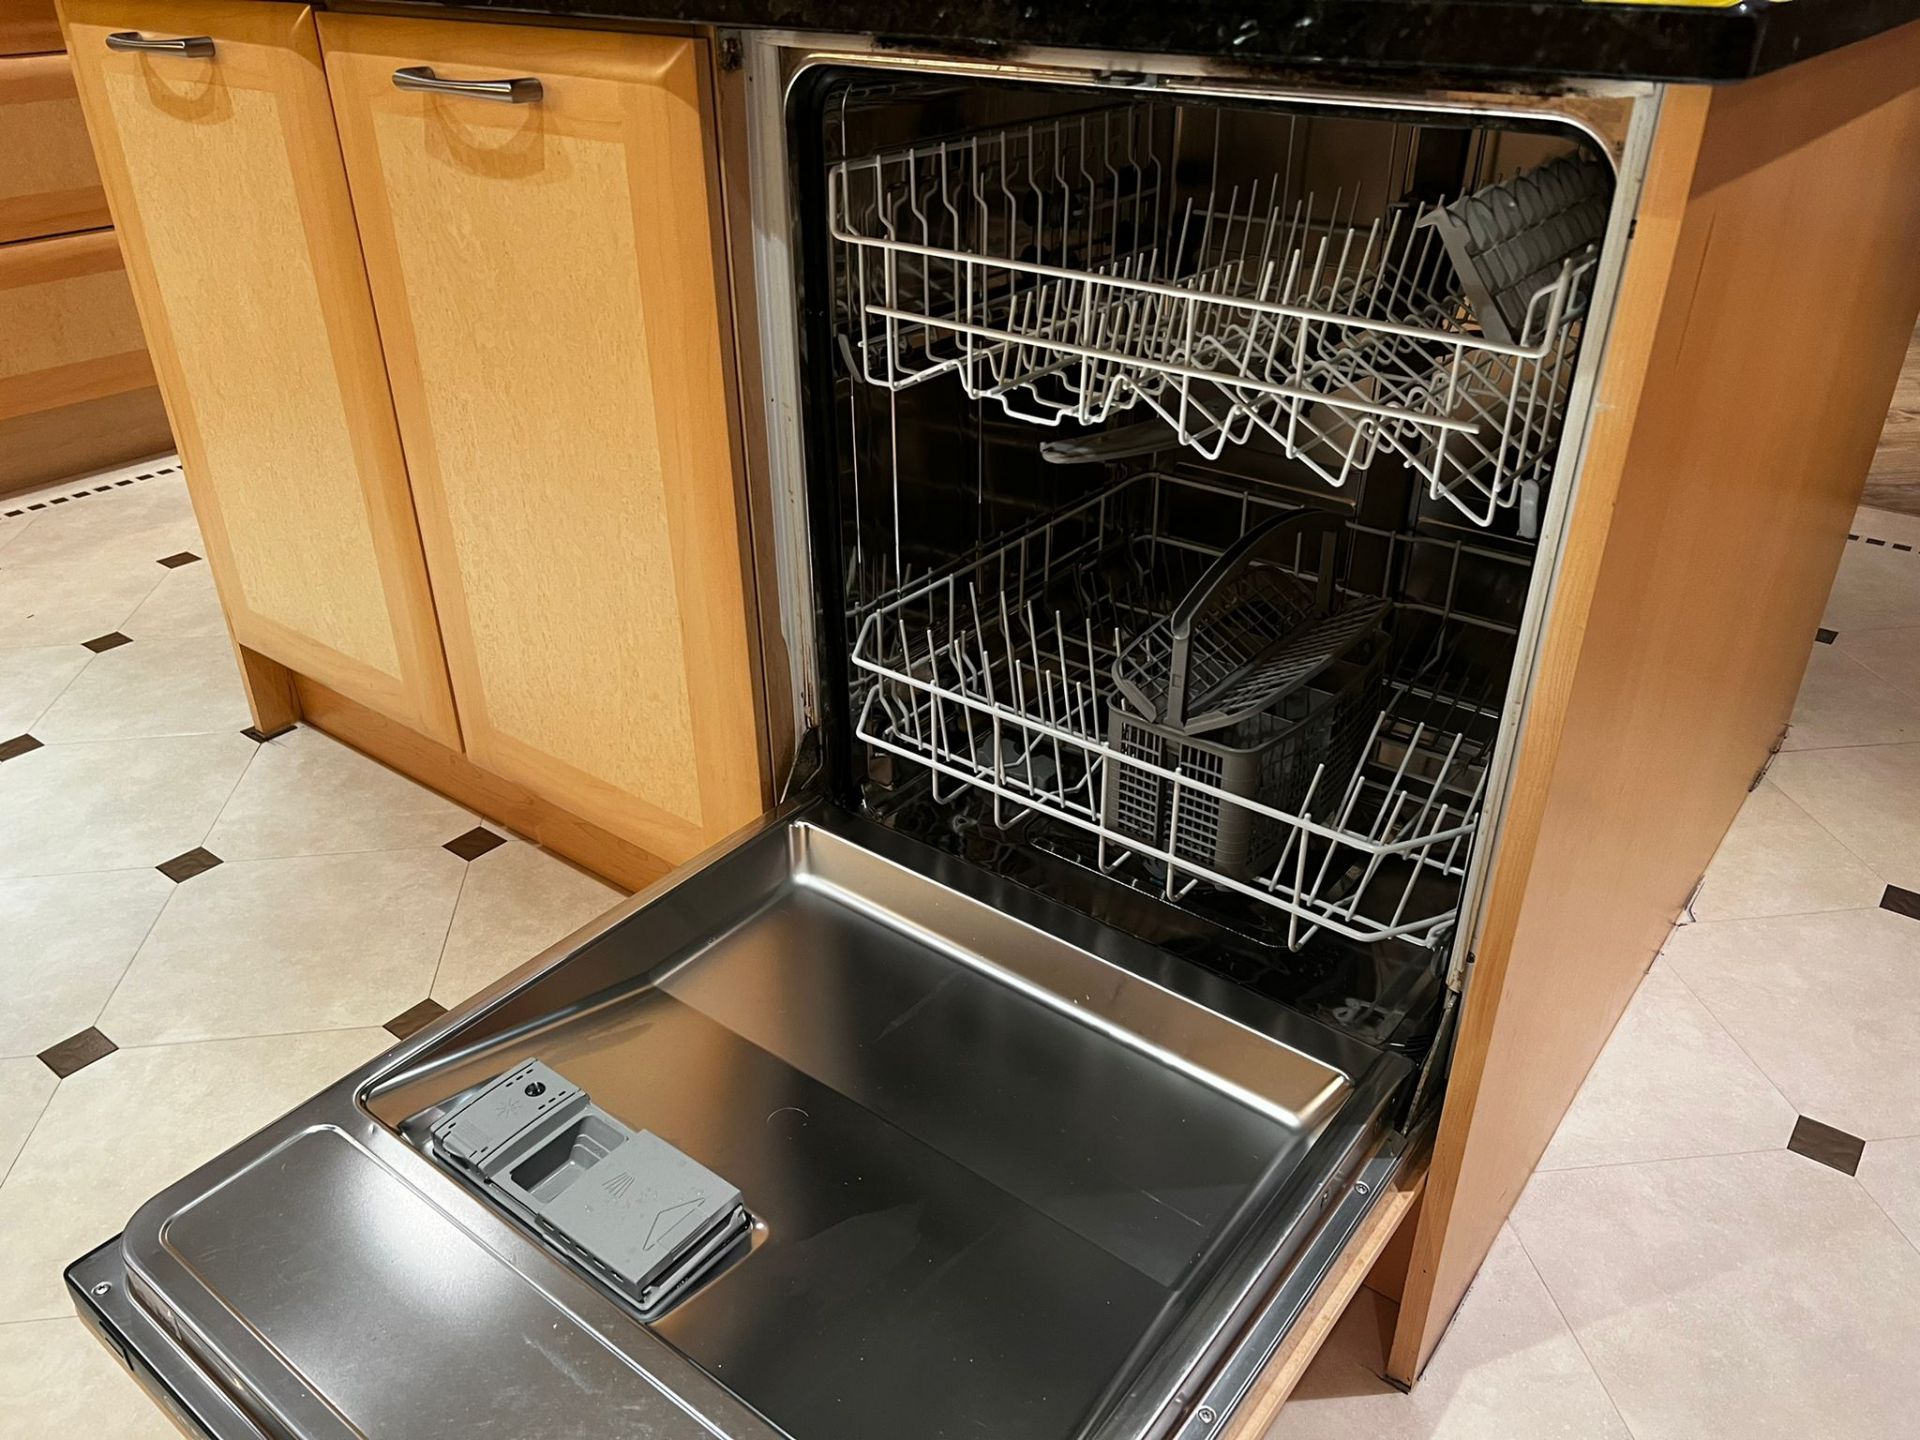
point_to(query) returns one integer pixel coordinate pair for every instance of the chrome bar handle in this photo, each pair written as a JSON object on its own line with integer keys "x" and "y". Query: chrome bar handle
{"x": 521, "y": 90}
{"x": 196, "y": 45}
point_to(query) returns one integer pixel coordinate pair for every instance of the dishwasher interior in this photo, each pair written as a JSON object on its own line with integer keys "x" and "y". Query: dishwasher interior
{"x": 1176, "y": 475}
{"x": 1190, "y": 458}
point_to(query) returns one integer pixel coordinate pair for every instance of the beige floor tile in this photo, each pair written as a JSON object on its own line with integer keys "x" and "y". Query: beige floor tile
{"x": 12, "y": 527}
{"x": 183, "y": 603}
{"x": 1670, "y": 1083}
{"x": 127, "y": 1126}
{"x": 1508, "y": 1367}
{"x": 1841, "y": 702}
{"x": 517, "y": 901}
{"x": 56, "y": 1380}
{"x": 256, "y": 947}
{"x": 114, "y": 804}
{"x": 1752, "y": 1296}
{"x": 1877, "y": 588}
{"x": 152, "y": 687}
{"x": 1867, "y": 798}
{"x": 1890, "y": 1171}
{"x": 31, "y": 680}
{"x": 1779, "y": 860}
{"x": 64, "y": 605}
{"x": 1823, "y": 1004}
{"x": 1888, "y": 525}
{"x": 1893, "y": 655}
{"x": 68, "y": 940}
{"x": 124, "y": 528}
{"x": 25, "y": 1086}
{"x": 307, "y": 794}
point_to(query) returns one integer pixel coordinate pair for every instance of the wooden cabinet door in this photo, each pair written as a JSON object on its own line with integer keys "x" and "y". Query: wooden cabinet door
{"x": 546, "y": 282}
{"x": 225, "y": 178}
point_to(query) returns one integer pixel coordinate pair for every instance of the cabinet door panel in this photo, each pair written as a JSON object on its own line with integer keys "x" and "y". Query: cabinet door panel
{"x": 225, "y": 176}
{"x": 545, "y": 279}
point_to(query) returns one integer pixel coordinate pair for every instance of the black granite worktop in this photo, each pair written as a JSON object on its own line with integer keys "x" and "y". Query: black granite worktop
{"x": 1532, "y": 39}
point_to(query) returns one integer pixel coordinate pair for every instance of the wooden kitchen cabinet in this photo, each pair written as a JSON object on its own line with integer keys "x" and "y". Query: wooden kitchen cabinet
{"x": 225, "y": 179}
{"x": 545, "y": 277}
{"x": 29, "y": 27}
{"x": 48, "y": 183}
{"x": 71, "y": 331}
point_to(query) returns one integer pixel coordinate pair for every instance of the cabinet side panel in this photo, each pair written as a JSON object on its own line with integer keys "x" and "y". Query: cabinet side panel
{"x": 1766, "y": 308}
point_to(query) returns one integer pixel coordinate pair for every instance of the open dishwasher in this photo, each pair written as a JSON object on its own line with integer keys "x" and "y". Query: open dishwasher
{"x": 1177, "y": 476}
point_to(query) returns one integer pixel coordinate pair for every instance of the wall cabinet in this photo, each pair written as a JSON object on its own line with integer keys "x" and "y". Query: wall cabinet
{"x": 544, "y": 275}
{"x": 224, "y": 175}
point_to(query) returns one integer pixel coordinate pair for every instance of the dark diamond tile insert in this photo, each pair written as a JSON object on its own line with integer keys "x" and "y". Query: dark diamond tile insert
{"x": 17, "y": 746}
{"x": 1825, "y": 636}
{"x": 1899, "y": 546}
{"x": 174, "y": 562}
{"x": 475, "y": 843}
{"x": 59, "y": 499}
{"x": 76, "y": 1052}
{"x": 1901, "y": 902}
{"x": 260, "y": 737}
{"x": 1827, "y": 1145}
{"x": 110, "y": 641}
{"x": 1872, "y": 541}
{"x": 196, "y": 861}
{"x": 411, "y": 1022}
{"x": 127, "y": 481}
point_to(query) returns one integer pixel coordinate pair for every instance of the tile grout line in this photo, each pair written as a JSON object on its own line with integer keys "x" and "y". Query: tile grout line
{"x": 1782, "y": 915}
{"x": 1821, "y": 826}
{"x": 239, "y": 859}
{"x": 1572, "y": 1333}
{"x": 233, "y": 790}
{"x": 126, "y": 969}
{"x": 132, "y": 959}
{"x": 1733, "y": 1039}
{"x": 1874, "y": 1200}
{"x": 1670, "y": 1159}
{"x": 38, "y": 1116}
{"x": 1858, "y": 745}
{"x": 72, "y": 680}
{"x": 453, "y": 914}
{"x": 372, "y": 1026}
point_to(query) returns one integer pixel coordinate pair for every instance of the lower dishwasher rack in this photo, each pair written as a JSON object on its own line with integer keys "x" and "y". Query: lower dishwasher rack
{"x": 887, "y": 1051}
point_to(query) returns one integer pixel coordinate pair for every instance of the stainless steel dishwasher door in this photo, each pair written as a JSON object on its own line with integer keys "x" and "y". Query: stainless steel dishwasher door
{"x": 1012, "y": 1173}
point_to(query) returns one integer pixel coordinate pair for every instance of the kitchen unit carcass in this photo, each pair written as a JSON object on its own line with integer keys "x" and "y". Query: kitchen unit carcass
{"x": 1190, "y": 513}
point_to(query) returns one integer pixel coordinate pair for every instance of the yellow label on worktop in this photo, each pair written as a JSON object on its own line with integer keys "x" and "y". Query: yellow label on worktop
{"x": 1680, "y": 4}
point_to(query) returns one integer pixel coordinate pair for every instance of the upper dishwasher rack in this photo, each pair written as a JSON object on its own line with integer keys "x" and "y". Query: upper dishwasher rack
{"x": 1050, "y": 268}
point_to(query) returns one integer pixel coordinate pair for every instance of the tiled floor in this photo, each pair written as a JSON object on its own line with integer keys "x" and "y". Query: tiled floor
{"x": 1699, "y": 1256}
{"x": 196, "y": 931}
